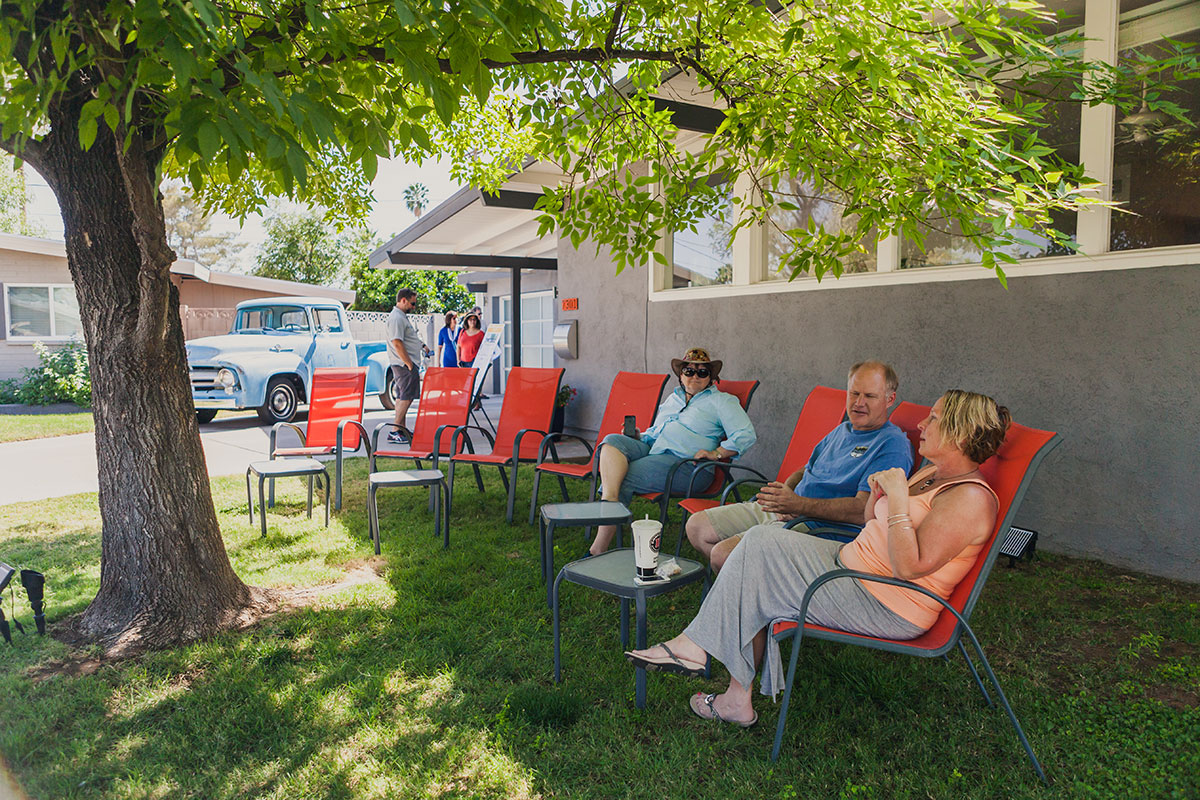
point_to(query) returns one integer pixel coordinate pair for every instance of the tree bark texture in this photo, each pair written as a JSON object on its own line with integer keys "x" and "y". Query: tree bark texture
{"x": 165, "y": 575}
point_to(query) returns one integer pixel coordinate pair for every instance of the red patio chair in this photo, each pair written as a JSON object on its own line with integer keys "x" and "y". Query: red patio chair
{"x": 635, "y": 393}
{"x": 744, "y": 392}
{"x": 445, "y": 406}
{"x": 1009, "y": 473}
{"x": 335, "y": 411}
{"x": 525, "y": 416}
{"x": 823, "y": 409}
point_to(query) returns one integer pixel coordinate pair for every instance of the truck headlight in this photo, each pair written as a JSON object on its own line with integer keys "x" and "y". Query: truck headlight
{"x": 226, "y": 378}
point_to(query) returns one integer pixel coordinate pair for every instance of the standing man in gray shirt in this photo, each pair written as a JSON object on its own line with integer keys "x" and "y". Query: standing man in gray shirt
{"x": 404, "y": 352}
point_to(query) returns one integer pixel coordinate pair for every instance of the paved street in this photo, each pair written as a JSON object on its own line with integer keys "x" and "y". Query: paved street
{"x": 65, "y": 465}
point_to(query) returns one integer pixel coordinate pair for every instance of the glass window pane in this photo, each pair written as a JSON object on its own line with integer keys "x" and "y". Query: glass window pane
{"x": 944, "y": 243}
{"x": 29, "y": 311}
{"x": 704, "y": 257}
{"x": 1156, "y": 167}
{"x": 825, "y": 209}
{"x": 66, "y": 312}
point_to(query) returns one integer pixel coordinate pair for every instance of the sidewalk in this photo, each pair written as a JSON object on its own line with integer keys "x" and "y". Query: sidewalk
{"x": 64, "y": 465}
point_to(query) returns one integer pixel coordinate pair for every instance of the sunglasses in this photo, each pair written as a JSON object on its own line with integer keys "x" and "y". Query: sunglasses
{"x": 696, "y": 372}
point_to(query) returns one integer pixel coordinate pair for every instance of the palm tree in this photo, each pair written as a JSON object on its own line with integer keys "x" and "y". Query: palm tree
{"x": 416, "y": 197}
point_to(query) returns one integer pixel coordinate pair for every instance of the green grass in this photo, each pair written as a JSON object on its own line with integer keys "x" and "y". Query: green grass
{"x": 436, "y": 681}
{"x": 19, "y": 427}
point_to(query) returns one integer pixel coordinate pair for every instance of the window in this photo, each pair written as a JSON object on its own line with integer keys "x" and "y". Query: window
{"x": 1148, "y": 161}
{"x": 826, "y": 211}
{"x": 537, "y": 330}
{"x": 1156, "y": 167}
{"x": 704, "y": 257}
{"x": 271, "y": 318}
{"x": 329, "y": 320}
{"x": 41, "y": 312}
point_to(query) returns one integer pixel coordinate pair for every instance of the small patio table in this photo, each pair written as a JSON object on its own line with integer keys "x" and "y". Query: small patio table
{"x": 575, "y": 515}
{"x": 439, "y": 497}
{"x": 285, "y": 468}
{"x": 613, "y": 572}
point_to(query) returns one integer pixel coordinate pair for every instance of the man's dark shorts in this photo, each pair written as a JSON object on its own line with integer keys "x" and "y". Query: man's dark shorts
{"x": 407, "y": 381}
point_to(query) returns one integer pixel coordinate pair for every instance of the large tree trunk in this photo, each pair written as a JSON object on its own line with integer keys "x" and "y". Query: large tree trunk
{"x": 165, "y": 576}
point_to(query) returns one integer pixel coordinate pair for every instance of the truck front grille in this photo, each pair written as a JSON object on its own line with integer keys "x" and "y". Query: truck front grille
{"x": 204, "y": 379}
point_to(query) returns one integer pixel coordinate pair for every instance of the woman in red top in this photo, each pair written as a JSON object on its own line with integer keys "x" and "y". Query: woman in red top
{"x": 927, "y": 529}
{"x": 469, "y": 339}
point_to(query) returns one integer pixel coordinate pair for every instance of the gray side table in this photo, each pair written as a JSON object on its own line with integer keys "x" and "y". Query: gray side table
{"x": 440, "y": 494}
{"x": 575, "y": 515}
{"x": 613, "y": 572}
{"x": 285, "y": 468}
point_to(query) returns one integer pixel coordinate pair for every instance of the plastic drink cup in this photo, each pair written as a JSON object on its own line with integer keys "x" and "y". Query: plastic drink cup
{"x": 647, "y": 537}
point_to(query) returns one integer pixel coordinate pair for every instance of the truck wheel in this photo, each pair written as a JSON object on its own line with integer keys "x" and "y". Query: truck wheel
{"x": 204, "y": 415}
{"x": 282, "y": 401}
{"x": 388, "y": 395}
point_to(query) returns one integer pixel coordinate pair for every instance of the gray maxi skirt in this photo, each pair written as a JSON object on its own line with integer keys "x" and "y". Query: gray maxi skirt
{"x": 764, "y": 579}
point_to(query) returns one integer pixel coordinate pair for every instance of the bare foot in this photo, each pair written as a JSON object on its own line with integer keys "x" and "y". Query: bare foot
{"x": 724, "y": 709}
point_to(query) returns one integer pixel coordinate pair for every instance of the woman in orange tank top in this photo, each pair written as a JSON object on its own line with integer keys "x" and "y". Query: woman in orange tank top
{"x": 928, "y": 530}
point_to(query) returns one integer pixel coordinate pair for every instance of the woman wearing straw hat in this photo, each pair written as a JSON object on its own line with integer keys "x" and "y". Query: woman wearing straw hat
{"x": 696, "y": 421}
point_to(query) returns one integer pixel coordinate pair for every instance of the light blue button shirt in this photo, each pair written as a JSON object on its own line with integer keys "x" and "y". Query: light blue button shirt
{"x": 712, "y": 418}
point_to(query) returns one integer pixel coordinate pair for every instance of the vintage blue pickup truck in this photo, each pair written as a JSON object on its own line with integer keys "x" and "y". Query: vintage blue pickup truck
{"x": 266, "y": 362}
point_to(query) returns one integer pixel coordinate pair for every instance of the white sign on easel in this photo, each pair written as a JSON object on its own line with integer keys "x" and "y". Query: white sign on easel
{"x": 489, "y": 351}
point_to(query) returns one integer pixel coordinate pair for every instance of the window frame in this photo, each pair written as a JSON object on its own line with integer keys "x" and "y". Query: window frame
{"x": 53, "y": 337}
{"x": 1108, "y": 32}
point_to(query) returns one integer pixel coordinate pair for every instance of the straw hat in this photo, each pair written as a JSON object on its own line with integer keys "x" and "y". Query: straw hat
{"x": 696, "y": 355}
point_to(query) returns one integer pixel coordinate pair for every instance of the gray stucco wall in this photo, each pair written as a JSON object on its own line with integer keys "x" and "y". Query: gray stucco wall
{"x": 1107, "y": 359}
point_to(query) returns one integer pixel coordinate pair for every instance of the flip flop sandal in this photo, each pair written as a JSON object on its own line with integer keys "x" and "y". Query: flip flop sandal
{"x": 705, "y": 709}
{"x": 672, "y": 663}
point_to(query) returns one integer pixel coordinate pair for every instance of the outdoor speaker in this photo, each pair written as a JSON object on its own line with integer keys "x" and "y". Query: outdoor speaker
{"x": 1018, "y": 544}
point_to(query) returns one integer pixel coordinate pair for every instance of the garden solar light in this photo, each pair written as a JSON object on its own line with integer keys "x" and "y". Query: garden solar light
{"x": 35, "y": 584}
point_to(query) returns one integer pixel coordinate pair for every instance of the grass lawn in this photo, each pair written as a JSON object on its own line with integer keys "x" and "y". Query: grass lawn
{"x": 19, "y": 427}
{"x": 435, "y": 681}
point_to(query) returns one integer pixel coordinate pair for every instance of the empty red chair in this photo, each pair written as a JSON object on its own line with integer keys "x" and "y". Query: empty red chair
{"x": 1009, "y": 473}
{"x": 335, "y": 411}
{"x": 525, "y": 416}
{"x": 445, "y": 406}
{"x": 632, "y": 393}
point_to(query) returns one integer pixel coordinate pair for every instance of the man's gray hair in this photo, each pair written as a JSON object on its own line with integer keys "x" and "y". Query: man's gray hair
{"x": 889, "y": 375}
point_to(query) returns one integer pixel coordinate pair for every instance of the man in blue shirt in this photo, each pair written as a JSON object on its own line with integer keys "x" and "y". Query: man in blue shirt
{"x": 833, "y": 485}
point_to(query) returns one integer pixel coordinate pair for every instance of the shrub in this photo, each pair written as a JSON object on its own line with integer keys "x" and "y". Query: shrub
{"x": 62, "y": 377}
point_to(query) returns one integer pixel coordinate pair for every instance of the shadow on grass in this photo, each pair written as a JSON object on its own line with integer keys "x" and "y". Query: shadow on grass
{"x": 439, "y": 684}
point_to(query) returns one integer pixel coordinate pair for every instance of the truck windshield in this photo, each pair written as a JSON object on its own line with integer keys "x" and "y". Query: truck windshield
{"x": 271, "y": 318}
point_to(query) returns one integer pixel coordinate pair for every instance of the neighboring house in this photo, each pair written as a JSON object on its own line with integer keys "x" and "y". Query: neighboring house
{"x": 39, "y": 298}
{"x": 1102, "y": 348}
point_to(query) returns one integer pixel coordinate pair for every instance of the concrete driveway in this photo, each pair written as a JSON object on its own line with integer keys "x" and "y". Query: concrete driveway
{"x": 64, "y": 465}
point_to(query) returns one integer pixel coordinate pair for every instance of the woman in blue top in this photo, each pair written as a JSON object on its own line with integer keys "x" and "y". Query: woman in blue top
{"x": 696, "y": 421}
{"x": 448, "y": 341}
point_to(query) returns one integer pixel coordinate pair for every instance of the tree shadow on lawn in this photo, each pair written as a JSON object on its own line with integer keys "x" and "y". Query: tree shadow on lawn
{"x": 447, "y": 691}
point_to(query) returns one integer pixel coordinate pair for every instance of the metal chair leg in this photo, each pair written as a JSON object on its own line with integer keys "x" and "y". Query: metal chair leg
{"x": 249, "y": 498}
{"x": 639, "y": 681}
{"x": 974, "y": 673}
{"x": 787, "y": 693}
{"x": 262, "y": 507}
{"x": 1012, "y": 717}
{"x": 310, "y": 483}
{"x": 328, "y": 491}
{"x": 444, "y": 494}
{"x": 512, "y": 491}
{"x": 537, "y": 484}
{"x": 373, "y": 515}
{"x": 338, "y": 469}
{"x": 554, "y": 611}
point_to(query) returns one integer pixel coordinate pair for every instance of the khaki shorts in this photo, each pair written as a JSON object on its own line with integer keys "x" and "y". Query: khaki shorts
{"x": 735, "y": 518}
